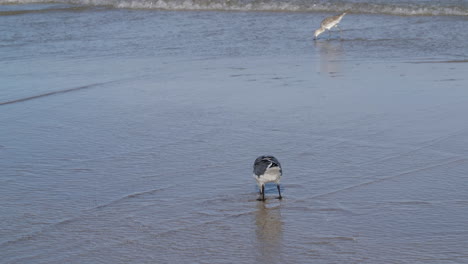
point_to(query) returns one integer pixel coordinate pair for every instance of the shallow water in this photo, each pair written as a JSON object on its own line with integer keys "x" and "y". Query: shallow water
{"x": 128, "y": 136}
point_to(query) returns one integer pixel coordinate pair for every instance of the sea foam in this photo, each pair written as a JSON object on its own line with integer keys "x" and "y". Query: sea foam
{"x": 370, "y": 7}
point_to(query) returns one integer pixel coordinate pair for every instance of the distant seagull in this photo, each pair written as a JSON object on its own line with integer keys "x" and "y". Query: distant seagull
{"x": 267, "y": 169}
{"x": 328, "y": 23}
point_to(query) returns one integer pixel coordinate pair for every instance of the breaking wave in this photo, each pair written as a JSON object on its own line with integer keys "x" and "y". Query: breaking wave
{"x": 415, "y": 8}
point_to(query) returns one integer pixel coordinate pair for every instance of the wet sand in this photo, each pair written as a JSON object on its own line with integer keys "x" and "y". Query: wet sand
{"x": 131, "y": 138}
{"x": 158, "y": 169}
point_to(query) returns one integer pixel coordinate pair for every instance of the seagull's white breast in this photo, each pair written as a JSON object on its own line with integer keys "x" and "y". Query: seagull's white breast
{"x": 271, "y": 175}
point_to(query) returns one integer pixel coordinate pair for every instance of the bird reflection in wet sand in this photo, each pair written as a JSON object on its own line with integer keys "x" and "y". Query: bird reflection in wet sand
{"x": 331, "y": 54}
{"x": 269, "y": 234}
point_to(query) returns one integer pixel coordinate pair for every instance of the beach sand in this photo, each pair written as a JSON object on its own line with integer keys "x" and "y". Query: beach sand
{"x": 148, "y": 159}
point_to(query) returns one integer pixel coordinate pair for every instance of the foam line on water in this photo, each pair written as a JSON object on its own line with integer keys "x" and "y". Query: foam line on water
{"x": 426, "y": 145}
{"x": 368, "y": 7}
{"x": 409, "y": 172}
{"x": 83, "y": 213}
{"x": 45, "y": 10}
{"x": 74, "y": 89}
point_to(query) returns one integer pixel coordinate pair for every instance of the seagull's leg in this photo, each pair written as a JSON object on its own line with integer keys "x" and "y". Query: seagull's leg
{"x": 339, "y": 29}
{"x": 329, "y": 33}
{"x": 262, "y": 192}
{"x": 279, "y": 191}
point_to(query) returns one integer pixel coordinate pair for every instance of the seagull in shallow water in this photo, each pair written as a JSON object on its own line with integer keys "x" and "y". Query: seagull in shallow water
{"x": 267, "y": 169}
{"x": 328, "y": 23}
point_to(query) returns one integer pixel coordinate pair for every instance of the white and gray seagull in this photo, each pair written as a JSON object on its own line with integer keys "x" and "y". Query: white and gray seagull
{"x": 328, "y": 23}
{"x": 267, "y": 169}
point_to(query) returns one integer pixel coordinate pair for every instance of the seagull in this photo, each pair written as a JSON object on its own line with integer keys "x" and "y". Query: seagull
{"x": 328, "y": 23}
{"x": 267, "y": 169}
